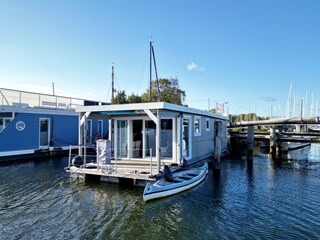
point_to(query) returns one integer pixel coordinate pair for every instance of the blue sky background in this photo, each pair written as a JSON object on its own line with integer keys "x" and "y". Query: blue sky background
{"x": 244, "y": 52}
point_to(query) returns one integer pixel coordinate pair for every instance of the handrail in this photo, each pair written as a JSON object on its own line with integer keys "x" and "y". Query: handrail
{"x": 114, "y": 158}
{"x": 4, "y": 97}
{"x": 27, "y": 99}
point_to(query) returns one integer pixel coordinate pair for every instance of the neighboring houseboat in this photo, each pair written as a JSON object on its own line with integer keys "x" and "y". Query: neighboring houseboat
{"x": 153, "y": 134}
{"x": 33, "y": 124}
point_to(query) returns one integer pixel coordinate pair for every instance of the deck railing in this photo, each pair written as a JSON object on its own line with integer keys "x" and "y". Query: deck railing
{"x": 89, "y": 158}
{"x": 17, "y": 98}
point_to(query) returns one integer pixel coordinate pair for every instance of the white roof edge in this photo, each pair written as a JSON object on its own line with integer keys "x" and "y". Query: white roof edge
{"x": 150, "y": 106}
{"x": 121, "y": 107}
{"x": 195, "y": 111}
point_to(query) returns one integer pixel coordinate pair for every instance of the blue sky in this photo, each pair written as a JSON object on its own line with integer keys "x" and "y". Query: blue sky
{"x": 243, "y": 52}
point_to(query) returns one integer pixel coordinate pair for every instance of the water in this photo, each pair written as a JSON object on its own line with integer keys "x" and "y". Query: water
{"x": 263, "y": 200}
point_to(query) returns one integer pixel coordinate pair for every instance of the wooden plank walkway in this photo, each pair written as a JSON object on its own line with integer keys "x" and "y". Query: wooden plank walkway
{"x": 139, "y": 171}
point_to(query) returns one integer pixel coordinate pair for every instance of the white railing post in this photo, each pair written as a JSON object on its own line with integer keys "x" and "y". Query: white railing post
{"x": 151, "y": 161}
{"x": 19, "y": 99}
{"x": 115, "y": 157}
{"x": 69, "y": 163}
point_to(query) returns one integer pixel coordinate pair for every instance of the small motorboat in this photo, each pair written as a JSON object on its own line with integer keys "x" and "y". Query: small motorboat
{"x": 174, "y": 182}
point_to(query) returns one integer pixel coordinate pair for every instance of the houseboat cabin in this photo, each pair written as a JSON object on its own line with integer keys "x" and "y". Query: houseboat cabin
{"x": 33, "y": 124}
{"x": 158, "y": 132}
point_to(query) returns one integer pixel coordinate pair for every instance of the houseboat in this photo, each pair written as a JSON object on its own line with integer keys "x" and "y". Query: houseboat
{"x": 143, "y": 137}
{"x": 35, "y": 124}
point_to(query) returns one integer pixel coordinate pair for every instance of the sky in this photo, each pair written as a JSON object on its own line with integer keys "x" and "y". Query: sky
{"x": 242, "y": 53}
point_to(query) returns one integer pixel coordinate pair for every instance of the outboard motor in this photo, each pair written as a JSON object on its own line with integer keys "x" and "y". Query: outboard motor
{"x": 167, "y": 173}
{"x": 77, "y": 161}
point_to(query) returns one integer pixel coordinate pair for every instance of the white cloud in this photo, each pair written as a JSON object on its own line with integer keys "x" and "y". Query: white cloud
{"x": 195, "y": 67}
{"x": 192, "y": 66}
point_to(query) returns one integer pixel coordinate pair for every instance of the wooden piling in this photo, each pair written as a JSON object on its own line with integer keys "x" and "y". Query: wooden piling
{"x": 250, "y": 142}
{"x": 279, "y": 145}
{"x": 217, "y": 148}
{"x": 273, "y": 141}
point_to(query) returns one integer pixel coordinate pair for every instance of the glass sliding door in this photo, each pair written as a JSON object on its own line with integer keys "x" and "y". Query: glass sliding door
{"x": 122, "y": 138}
{"x": 89, "y": 132}
{"x": 186, "y": 138}
{"x": 166, "y": 138}
{"x": 44, "y": 132}
{"x": 150, "y": 131}
{"x": 137, "y": 139}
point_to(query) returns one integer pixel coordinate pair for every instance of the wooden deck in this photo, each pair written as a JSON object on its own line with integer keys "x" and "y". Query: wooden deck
{"x": 135, "y": 172}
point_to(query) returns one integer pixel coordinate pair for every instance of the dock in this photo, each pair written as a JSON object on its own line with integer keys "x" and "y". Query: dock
{"x": 132, "y": 172}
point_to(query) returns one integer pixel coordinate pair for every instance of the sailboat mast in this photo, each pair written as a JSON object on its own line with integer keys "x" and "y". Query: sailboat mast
{"x": 153, "y": 59}
{"x": 155, "y": 69}
{"x": 112, "y": 78}
{"x": 150, "y": 93}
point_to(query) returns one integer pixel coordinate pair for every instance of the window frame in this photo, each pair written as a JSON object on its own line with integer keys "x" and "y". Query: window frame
{"x": 195, "y": 120}
{"x": 208, "y": 123}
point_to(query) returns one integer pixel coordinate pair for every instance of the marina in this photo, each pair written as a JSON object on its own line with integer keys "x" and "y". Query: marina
{"x": 159, "y": 120}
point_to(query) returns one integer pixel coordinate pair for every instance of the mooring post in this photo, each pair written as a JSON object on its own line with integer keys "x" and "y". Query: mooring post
{"x": 216, "y": 166}
{"x": 216, "y": 156}
{"x": 279, "y": 146}
{"x": 250, "y": 142}
{"x": 217, "y": 148}
{"x": 273, "y": 141}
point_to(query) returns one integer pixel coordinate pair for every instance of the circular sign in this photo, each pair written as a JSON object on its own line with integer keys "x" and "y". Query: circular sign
{"x": 20, "y": 126}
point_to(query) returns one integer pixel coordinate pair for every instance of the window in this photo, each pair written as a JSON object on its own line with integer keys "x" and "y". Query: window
{"x": 207, "y": 124}
{"x": 4, "y": 122}
{"x": 99, "y": 133}
{"x": 197, "y": 126}
{"x": 122, "y": 138}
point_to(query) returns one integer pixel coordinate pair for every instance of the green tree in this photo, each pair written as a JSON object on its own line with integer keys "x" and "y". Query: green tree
{"x": 120, "y": 98}
{"x": 134, "y": 98}
{"x": 169, "y": 92}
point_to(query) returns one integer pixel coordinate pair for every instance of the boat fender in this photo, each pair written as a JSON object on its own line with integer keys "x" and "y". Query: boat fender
{"x": 167, "y": 173}
{"x": 77, "y": 161}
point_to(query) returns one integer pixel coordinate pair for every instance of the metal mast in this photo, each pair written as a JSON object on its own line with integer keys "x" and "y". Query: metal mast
{"x": 150, "y": 94}
{"x": 289, "y": 103}
{"x": 112, "y": 77}
{"x": 152, "y": 57}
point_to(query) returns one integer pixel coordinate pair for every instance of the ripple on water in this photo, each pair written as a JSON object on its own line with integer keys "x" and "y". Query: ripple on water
{"x": 265, "y": 200}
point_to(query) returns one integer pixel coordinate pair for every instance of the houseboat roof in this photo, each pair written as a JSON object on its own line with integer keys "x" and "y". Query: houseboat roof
{"x": 138, "y": 108}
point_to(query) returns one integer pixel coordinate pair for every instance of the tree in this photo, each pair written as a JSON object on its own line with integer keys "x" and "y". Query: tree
{"x": 134, "y": 98}
{"x": 169, "y": 92}
{"x": 121, "y": 98}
